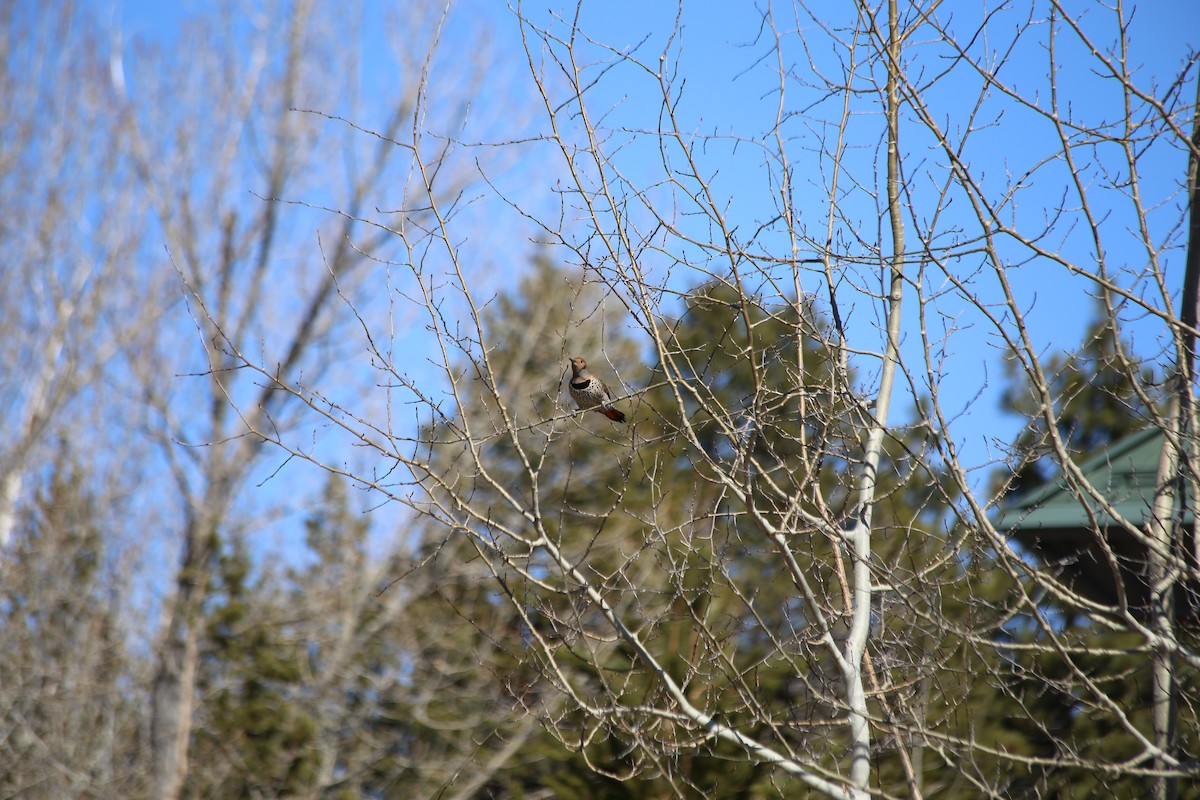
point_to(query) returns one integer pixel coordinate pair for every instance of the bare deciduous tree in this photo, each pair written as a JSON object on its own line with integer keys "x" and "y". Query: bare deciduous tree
{"x": 66, "y": 314}
{"x": 67, "y": 324}
{"x": 921, "y": 148}
{"x": 112, "y": 152}
{"x": 785, "y": 571}
{"x": 265, "y": 87}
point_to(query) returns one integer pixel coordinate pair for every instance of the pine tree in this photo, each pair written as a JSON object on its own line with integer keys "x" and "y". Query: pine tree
{"x": 642, "y": 506}
{"x": 256, "y": 739}
{"x": 1097, "y": 403}
{"x": 70, "y": 722}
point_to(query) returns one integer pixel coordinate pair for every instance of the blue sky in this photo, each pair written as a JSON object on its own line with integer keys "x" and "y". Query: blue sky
{"x": 729, "y": 92}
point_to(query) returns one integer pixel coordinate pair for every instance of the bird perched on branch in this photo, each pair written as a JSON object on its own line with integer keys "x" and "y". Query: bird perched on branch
{"x": 590, "y": 393}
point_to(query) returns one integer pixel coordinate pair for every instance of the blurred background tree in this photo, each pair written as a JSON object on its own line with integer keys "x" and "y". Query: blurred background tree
{"x": 272, "y": 239}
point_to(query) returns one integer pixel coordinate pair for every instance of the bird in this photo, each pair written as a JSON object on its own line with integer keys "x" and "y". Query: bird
{"x": 590, "y": 393}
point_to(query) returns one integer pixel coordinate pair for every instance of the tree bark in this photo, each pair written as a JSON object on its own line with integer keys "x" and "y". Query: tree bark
{"x": 1166, "y": 524}
{"x": 173, "y": 692}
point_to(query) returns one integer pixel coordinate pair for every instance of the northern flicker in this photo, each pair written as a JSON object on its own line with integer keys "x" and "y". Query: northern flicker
{"x": 590, "y": 393}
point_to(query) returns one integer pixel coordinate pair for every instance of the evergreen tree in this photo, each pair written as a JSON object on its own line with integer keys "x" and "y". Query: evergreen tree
{"x": 257, "y": 739}
{"x": 1096, "y": 402}
{"x": 1070, "y": 673}
{"x": 641, "y": 508}
{"x": 69, "y": 719}
{"x": 333, "y": 679}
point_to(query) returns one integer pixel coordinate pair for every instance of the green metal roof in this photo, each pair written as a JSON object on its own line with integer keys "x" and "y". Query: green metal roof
{"x": 1054, "y": 523}
{"x": 1124, "y": 474}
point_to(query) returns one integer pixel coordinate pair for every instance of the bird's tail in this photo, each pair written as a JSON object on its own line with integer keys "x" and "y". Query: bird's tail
{"x": 613, "y": 414}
